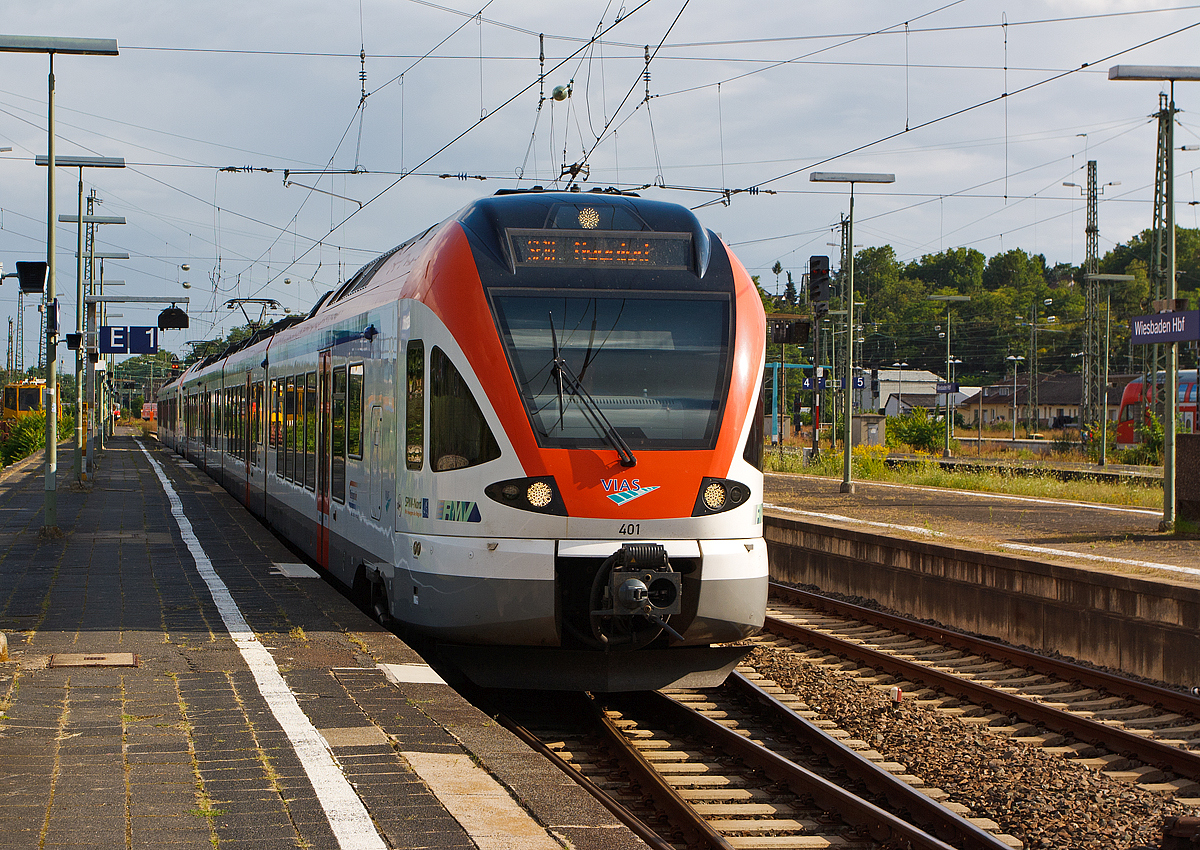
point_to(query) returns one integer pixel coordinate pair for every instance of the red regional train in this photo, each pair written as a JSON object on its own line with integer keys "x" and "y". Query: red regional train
{"x": 532, "y": 433}
{"x": 1132, "y": 412}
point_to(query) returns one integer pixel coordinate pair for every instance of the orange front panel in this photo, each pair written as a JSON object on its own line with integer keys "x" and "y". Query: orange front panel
{"x": 451, "y": 287}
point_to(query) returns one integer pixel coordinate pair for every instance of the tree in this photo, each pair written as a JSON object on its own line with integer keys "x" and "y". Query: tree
{"x": 1129, "y": 257}
{"x": 214, "y": 346}
{"x": 1018, "y": 271}
{"x": 957, "y": 269}
{"x": 876, "y": 270}
{"x": 789, "y": 291}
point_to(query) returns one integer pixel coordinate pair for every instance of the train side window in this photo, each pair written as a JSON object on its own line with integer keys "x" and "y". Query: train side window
{"x": 338, "y": 461}
{"x": 289, "y": 434}
{"x": 354, "y": 412}
{"x": 244, "y": 421}
{"x": 10, "y": 398}
{"x": 753, "y": 454}
{"x": 276, "y": 425}
{"x": 273, "y": 414}
{"x": 414, "y": 408}
{"x": 235, "y": 422}
{"x": 30, "y": 398}
{"x": 459, "y": 436}
{"x": 256, "y": 422}
{"x": 310, "y": 431}
{"x": 298, "y": 431}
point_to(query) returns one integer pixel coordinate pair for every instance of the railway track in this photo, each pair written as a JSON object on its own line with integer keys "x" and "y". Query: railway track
{"x": 734, "y": 767}
{"x": 1131, "y": 730}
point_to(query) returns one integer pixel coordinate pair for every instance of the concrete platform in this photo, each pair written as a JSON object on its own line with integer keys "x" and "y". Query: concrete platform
{"x": 1115, "y": 538}
{"x": 1095, "y": 583}
{"x": 175, "y": 679}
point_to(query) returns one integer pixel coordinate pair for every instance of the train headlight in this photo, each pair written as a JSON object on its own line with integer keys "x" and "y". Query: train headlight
{"x": 714, "y": 496}
{"x": 539, "y": 495}
{"x": 719, "y": 494}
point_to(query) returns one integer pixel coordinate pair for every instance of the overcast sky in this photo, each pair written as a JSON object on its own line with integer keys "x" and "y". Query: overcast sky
{"x": 742, "y": 96}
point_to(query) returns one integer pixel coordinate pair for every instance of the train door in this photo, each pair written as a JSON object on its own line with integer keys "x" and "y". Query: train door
{"x": 376, "y": 447}
{"x": 246, "y": 437}
{"x": 324, "y": 408}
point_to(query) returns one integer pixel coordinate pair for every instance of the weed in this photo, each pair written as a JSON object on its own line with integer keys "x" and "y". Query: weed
{"x": 207, "y": 813}
{"x": 868, "y": 464}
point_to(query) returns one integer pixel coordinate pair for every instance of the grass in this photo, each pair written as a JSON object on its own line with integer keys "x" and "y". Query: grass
{"x": 868, "y": 463}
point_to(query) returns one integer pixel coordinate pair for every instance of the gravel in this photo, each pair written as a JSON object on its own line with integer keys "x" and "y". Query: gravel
{"x": 1043, "y": 799}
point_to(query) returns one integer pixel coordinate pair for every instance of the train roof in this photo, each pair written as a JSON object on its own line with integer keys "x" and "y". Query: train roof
{"x": 487, "y": 221}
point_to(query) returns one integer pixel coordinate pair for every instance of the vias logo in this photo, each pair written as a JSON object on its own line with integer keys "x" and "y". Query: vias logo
{"x": 621, "y": 490}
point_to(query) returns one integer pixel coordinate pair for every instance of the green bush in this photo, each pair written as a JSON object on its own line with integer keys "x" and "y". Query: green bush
{"x": 916, "y": 429}
{"x": 1148, "y": 451}
{"x": 27, "y": 435}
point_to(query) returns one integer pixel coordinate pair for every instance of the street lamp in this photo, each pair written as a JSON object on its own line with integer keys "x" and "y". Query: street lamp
{"x": 1104, "y": 378}
{"x": 82, "y": 162}
{"x": 900, "y": 392}
{"x": 848, "y": 390}
{"x": 1014, "y": 360}
{"x": 51, "y": 45}
{"x": 1158, "y": 74}
{"x": 949, "y": 299}
{"x": 1032, "y": 324}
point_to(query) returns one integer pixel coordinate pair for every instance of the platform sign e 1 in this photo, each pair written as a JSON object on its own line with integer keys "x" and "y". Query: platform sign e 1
{"x": 115, "y": 339}
{"x": 1183, "y": 326}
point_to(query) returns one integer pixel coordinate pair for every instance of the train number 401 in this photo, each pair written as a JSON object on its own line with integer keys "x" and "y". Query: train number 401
{"x": 631, "y": 528}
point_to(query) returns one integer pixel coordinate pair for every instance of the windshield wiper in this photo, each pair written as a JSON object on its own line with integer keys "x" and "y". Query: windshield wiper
{"x": 564, "y": 377}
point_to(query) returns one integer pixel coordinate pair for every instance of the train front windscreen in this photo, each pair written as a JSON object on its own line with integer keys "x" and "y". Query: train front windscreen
{"x": 654, "y": 367}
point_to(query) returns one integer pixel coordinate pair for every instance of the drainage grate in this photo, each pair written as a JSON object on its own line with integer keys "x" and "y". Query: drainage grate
{"x": 94, "y": 659}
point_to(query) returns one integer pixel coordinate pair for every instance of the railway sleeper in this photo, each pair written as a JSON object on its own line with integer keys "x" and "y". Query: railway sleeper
{"x": 1140, "y": 775}
{"x": 1181, "y": 789}
{"x": 1157, "y": 723}
{"x": 900, "y": 771}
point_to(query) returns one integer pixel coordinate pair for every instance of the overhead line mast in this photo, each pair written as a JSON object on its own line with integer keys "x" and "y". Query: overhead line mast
{"x": 1095, "y": 395}
{"x": 1153, "y": 392}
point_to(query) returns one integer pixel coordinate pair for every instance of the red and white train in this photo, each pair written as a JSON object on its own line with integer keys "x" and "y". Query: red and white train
{"x": 1133, "y": 413}
{"x": 533, "y": 432}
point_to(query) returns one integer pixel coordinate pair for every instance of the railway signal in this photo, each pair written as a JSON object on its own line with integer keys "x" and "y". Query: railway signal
{"x": 819, "y": 286}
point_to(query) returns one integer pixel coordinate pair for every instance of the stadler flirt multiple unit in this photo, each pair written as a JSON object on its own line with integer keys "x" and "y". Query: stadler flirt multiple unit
{"x": 533, "y": 432}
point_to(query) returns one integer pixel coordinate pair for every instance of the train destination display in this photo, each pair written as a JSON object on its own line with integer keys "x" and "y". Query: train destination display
{"x": 557, "y": 248}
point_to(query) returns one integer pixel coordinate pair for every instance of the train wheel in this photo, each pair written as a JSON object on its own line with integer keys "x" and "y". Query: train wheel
{"x": 379, "y": 609}
{"x": 360, "y": 590}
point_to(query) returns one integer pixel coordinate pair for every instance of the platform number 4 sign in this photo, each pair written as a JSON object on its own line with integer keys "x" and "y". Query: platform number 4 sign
{"x": 128, "y": 340}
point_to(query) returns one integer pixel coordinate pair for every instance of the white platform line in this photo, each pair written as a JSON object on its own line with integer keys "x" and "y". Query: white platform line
{"x": 1016, "y": 547}
{"x": 348, "y": 817}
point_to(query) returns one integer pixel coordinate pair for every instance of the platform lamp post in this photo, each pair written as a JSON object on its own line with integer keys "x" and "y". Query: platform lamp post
{"x": 80, "y": 47}
{"x": 1110, "y": 279}
{"x": 1171, "y": 74}
{"x": 1014, "y": 359}
{"x": 848, "y": 394}
{"x": 82, "y": 162}
{"x": 949, "y": 299}
{"x": 96, "y": 435}
{"x": 900, "y": 392}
